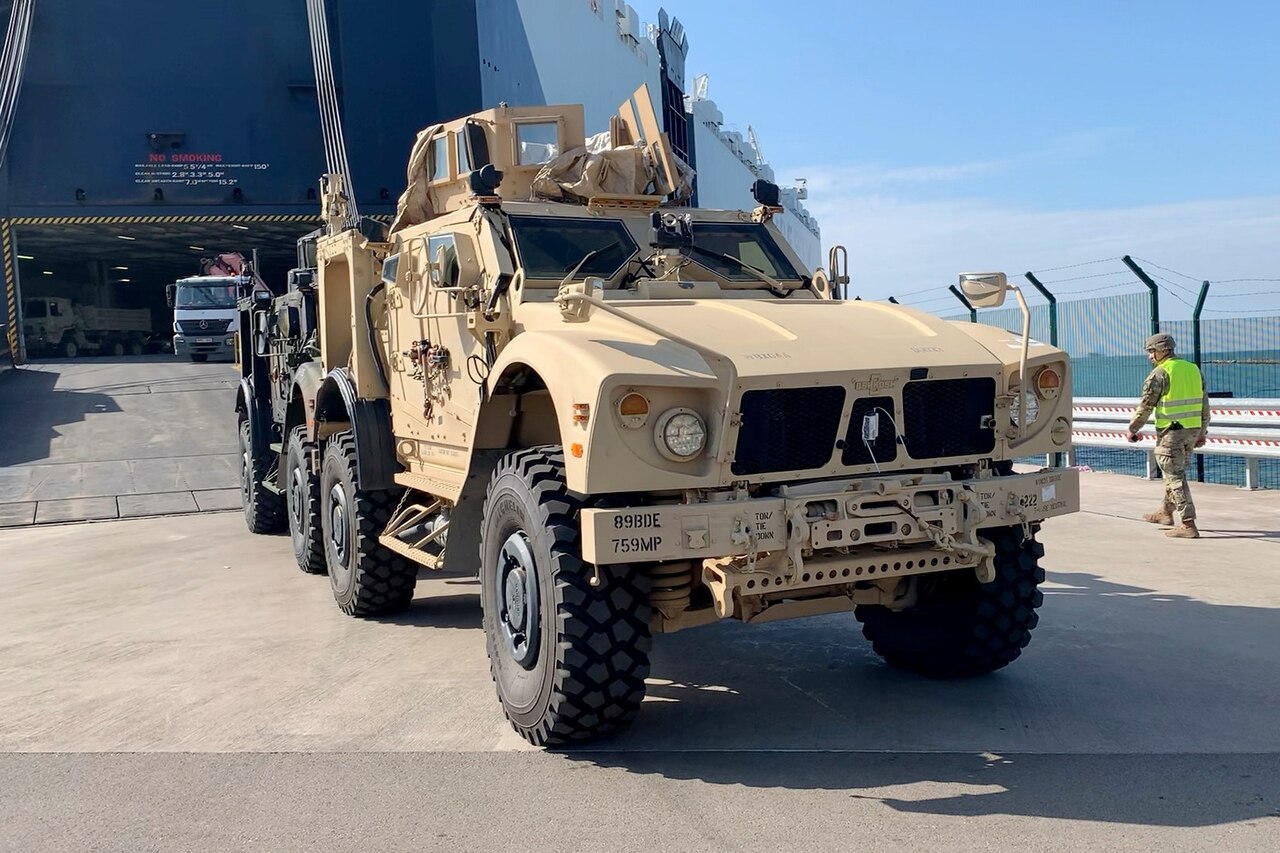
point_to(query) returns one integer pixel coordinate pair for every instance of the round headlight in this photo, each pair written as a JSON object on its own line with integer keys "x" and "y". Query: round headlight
{"x": 680, "y": 434}
{"x": 1033, "y": 409}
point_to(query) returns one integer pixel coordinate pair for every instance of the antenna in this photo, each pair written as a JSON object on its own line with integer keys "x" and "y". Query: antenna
{"x": 755, "y": 145}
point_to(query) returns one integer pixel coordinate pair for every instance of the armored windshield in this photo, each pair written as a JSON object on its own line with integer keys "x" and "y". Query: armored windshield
{"x": 550, "y": 247}
{"x": 748, "y": 242}
{"x": 213, "y": 295}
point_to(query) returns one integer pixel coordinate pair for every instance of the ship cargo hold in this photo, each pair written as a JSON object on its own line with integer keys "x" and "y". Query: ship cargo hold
{"x": 135, "y": 144}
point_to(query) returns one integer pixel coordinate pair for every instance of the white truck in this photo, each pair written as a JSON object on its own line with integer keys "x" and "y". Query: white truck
{"x": 54, "y": 325}
{"x": 205, "y": 317}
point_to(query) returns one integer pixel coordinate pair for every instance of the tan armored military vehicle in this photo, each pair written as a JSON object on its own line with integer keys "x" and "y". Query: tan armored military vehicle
{"x": 631, "y": 417}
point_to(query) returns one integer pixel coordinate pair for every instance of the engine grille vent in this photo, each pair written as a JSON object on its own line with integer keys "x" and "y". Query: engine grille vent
{"x": 949, "y": 417}
{"x": 788, "y": 429}
{"x": 211, "y": 327}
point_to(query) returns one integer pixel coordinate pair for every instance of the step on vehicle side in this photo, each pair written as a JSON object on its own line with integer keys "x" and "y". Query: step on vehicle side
{"x": 632, "y": 417}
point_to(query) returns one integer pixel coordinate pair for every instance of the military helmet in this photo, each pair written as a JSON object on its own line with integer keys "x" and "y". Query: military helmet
{"x": 1161, "y": 341}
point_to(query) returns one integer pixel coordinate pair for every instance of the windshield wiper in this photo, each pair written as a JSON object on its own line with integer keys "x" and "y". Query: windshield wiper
{"x": 775, "y": 286}
{"x": 588, "y": 256}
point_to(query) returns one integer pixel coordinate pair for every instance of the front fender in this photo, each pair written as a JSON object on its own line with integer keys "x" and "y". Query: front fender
{"x": 579, "y": 365}
{"x": 259, "y": 418}
{"x": 338, "y": 408}
{"x": 303, "y": 390}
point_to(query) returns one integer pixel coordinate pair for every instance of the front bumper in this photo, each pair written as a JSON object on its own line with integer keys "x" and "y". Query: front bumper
{"x": 217, "y": 346}
{"x": 926, "y": 512}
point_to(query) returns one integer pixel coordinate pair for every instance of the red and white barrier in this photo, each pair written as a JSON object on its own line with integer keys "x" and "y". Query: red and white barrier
{"x": 1248, "y": 428}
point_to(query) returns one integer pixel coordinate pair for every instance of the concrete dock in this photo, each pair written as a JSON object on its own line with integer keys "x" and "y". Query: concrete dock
{"x": 174, "y": 683}
{"x": 103, "y": 438}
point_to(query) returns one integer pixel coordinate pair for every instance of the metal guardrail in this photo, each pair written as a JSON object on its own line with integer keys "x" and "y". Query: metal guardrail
{"x": 1237, "y": 427}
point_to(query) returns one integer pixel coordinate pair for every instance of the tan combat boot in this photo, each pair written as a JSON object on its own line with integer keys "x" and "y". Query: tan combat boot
{"x": 1163, "y": 516}
{"x": 1186, "y": 531}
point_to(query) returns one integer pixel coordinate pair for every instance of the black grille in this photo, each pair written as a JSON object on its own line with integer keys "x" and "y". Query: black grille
{"x": 885, "y": 447}
{"x": 788, "y": 429}
{"x": 949, "y": 417}
{"x": 211, "y": 326}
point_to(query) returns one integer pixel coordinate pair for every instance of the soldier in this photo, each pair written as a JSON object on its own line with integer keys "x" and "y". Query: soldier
{"x": 1174, "y": 390}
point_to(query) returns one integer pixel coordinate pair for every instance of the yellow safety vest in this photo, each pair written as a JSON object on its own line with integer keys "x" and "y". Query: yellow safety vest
{"x": 1184, "y": 401}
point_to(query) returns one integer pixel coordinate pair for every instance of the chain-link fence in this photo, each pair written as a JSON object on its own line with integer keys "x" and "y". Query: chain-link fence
{"x": 1239, "y": 356}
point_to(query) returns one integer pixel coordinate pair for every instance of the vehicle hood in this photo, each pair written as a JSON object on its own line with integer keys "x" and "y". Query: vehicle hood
{"x": 767, "y": 338}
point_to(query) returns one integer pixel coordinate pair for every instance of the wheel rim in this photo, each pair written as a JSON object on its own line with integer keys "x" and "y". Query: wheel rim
{"x": 297, "y": 498}
{"x": 339, "y": 535}
{"x": 516, "y": 602}
{"x": 246, "y": 476}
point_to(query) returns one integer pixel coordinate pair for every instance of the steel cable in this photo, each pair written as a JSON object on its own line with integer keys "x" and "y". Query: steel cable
{"x": 12, "y": 67}
{"x": 330, "y": 108}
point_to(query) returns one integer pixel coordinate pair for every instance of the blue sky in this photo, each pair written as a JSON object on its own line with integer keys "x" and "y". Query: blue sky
{"x": 941, "y": 136}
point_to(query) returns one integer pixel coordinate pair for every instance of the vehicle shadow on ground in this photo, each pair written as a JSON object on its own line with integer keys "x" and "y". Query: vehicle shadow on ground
{"x": 1162, "y": 790}
{"x": 31, "y": 410}
{"x": 1154, "y": 713}
{"x": 448, "y": 607}
{"x": 194, "y": 377}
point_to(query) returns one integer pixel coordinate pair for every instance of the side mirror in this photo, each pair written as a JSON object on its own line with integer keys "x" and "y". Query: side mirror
{"x": 170, "y": 291}
{"x": 262, "y": 323}
{"x": 984, "y": 289}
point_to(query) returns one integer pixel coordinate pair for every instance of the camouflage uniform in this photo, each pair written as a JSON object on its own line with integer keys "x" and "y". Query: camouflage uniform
{"x": 1174, "y": 447}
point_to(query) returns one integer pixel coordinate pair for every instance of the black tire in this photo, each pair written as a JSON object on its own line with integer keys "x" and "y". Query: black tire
{"x": 117, "y": 349}
{"x": 69, "y": 349}
{"x": 136, "y": 348}
{"x": 263, "y": 509}
{"x": 302, "y": 500}
{"x": 199, "y": 357}
{"x": 568, "y": 659}
{"x": 960, "y": 627}
{"x": 367, "y": 578}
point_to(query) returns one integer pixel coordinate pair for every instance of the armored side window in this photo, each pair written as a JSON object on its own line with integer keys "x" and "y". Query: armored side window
{"x": 55, "y": 310}
{"x": 440, "y": 159}
{"x": 537, "y": 142}
{"x": 390, "y": 268}
{"x": 444, "y": 260}
{"x": 464, "y": 158}
{"x": 36, "y": 310}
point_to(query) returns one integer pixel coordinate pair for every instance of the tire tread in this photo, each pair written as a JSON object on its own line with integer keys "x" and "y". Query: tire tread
{"x": 602, "y": 632}
{"x": 264, "y": 513}
{"x": 974, "y": 632}
{"x": 312, "y": 559}
{"x": 384, "y": 581}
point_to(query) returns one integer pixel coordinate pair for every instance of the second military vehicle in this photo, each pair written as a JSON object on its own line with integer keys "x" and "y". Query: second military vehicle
{"x": 628, "y": 416}
{"x": 54, "y": 325}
